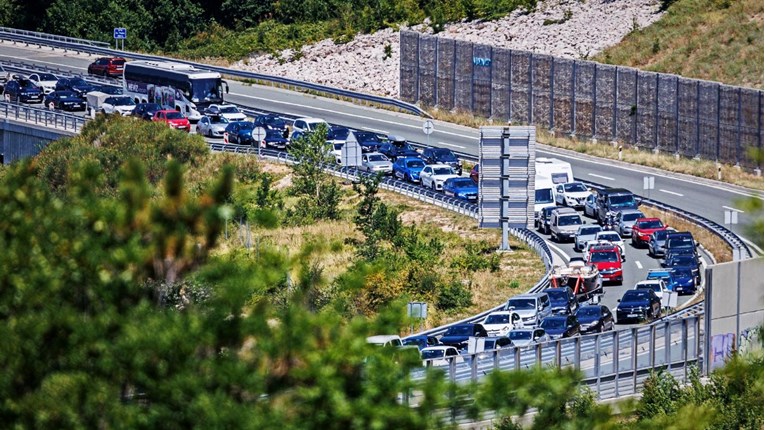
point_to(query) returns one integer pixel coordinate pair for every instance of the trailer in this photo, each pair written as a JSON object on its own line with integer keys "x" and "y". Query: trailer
{"x": 583, "y": 279}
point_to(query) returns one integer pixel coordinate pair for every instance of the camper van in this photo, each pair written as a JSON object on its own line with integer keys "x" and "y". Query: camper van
{"x": 549, "y": 173}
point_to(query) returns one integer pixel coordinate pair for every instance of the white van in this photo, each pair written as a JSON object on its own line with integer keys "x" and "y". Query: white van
{"x": 564, "y": 223}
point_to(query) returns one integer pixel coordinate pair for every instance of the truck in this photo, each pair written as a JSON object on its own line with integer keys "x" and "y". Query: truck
{"x": 99, "y": 102}
{"x": 549, "y": 172}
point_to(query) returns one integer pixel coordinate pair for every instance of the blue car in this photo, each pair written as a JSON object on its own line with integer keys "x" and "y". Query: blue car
{"x": 638, "y": 305}
{"x": 687, "y": 261}
{"x": 239, "y": 132}
{"x": 459, "y": 334}
{"x": 561, "y": 326}
{"x": 665, "y": 274}
{"x": 408, "y": 168}
{"x": 683, "y": 281}
{"x": 461, "y": 188}
{"x": 23, "y": 90}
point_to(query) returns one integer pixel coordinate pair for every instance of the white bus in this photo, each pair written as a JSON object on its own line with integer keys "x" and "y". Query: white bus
{"x": 549, "y": 173}
{"x": 173, "y": 86}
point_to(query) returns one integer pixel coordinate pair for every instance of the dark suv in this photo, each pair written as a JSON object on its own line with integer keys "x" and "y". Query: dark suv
{"x": 77, "y": 85}
{"x": 442, "y": 156}
{"x": 107, "y": 66}
{"x": 613, "y": 200}
{"x": 23, "y": 90}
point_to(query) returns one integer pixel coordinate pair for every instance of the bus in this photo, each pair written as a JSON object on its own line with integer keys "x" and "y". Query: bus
{"x": 172, "y": 85}
{"x": 549, "y": 173}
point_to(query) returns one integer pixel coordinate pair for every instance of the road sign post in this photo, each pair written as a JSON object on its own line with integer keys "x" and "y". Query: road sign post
{"x": 120, "y": 33}
{"x": 427, "y": 128}
{"x": 648, "y": 184}
{"x": 259, "y": 134}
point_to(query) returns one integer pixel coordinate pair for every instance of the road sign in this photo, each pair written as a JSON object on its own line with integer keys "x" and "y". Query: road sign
{"x": 259, "y": 133}
{"x": 648, "y": 182}
{"x": 427, "y": 127}
{"x": 120, "y": 33}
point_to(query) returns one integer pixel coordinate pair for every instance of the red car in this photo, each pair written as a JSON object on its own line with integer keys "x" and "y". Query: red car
{"x": 608, "y": 260}
{"x": 172, "y": 118}
{"x": 644, "y": 228}
{"x": 107, "y": 66}
{"x": 474, "y": 173}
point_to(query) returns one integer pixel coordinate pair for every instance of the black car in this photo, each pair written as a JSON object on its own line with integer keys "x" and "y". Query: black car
{"x": 271, "y": 121}
{"x": 274, "y": 139}
{"x": 240, "y": 132}
{"x": 442, "y": 156}
{"x": 638, "y": 305}
{"x": 679, "y": 243}
{"x": 23, "y": 90}
{"x": 64, "y": 100}
{"x": 543, "y": 223}
{"x": 457, "y": 335}
{"x": 338, "y": 132}
{"x": 420, "y": 341}
{"x": 393, "y": 150}
{"x": 560, "y": 326}
{"x": 563, "y": 300}
{"x": 111, "y": 90}
{"x": 369, "y": 142}
{"x": 77, "y": 85}
{"x": 146, "y": 110}
{"x": 594, "y": 319}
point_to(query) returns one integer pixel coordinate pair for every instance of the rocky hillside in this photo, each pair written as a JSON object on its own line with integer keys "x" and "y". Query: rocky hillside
{"x": 565, "y": 28}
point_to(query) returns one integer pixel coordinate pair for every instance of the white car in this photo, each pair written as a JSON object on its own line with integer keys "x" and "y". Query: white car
{"x": 613, "y": 237}
{"x": 230, "y": 112}
{"x": 46, "y": 81}
{"x": 123, "y": 105}
{"x": 590, "y": 244}
{"x": 658, "y": 286}
{"x": 375, "y": 162}
{"x": 433, "y": 176}
{"x": 440, "y": 356}
{"x": 308, "y": 125}
{"x": 525, "y": 337}
{"x": 571, "y": 194}
{"x": 585, "y": 234}
{"x": 212, "y": 126}
{"x": 500, "y": 323}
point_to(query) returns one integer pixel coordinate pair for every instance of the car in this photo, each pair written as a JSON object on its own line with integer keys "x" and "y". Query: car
{"x": 662, "y": 274}
{"x": 656, "y": 242}
{"x": 475, "y": 173}
{"x": 107, "y": 66}
{"x": 433, "y": 176}
{"x": 499, "y": 323}
{"x": 173, "y": 119}
{"x": 625, "y": 219}
{"x": 308, "y": 125}
{"x": 685, "y": 261}
{"x": 122, "y": 105}
{"x": 439, "y": 356}
{"x": 212, "y": 126}
{"x": 564, "y": 223}
{"x": 408, "y": 168}
{"x": 561, "y": 326}
{"x": 584, "y": 234}
{"x": 643, "y": 229}
{"x": 591, "y": 206}
{"x": 658, "y": 286}
{"x": 77, "y": 85}
{"x": 146, "y": 111}
{"x": 531, "y": 307}
{"x": 458, "y": 334}
{"x": 493, "y": 343}
{"x": 525, "y": 337}
{"x": 274, "y": 138}
{"x": 608, "y": 260}
{"x": 590, "y": 245}
{"x": 271, "y": 121}
{"x": 239, "y": 132}
{"x": 111, "y": 90}
{"x": 398, "y": 150}
{"x": 614, "y": 238}
{"x": 680, "y": 242}
{"x": 44, "y": 81}
{"x": 338, "y": 133}
{"x": 369, "y": 142}
{"x": 22, "y": 90}
{"x": 572, "y": 194}
{"x": 638, "y": 305}
{"x": 594, "y": 319}
{"x": 461, "y": 188}
{"x": 297, "y": 135}
{"x": 562, "y": 300}
{"x": 683, "y": 280}
{"x": 543, "y": 223}
{"x": 228, "y": 111}
{"x": 386, "y": 340}
{"x": 64, "y": 100}
{"x": 612, "y": 200}
{"x": 442, "y": 156}
{"x": 420, "y": 341}
{"x": 374, "y": 162}
{"x": 337, "y": 150}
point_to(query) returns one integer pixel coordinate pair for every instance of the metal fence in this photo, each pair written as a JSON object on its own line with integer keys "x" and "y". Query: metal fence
{"x": 652, "y": 111}
{"x": 43, "y": 117}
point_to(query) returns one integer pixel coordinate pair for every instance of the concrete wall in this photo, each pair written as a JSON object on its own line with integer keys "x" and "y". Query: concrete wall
{"x": 20, "y": 140}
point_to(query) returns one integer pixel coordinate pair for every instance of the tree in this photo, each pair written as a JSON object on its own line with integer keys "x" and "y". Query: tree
{"x": 373, "y": 218}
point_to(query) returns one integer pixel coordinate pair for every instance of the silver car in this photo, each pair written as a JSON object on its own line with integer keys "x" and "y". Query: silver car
{"x": 375, "y": 162}
{"x": 212, "y": 126}
{"x": 526, "y": 337}
{"x": 585, "y": 234}
{"x": 625, "y": 220}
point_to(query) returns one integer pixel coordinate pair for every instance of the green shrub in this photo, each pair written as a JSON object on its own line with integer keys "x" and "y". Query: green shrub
{"x": 454, "y": 296}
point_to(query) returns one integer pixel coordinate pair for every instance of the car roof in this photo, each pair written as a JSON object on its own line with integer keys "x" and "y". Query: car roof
{"x": 632, "y": 211}
{"x": 564, "y": 211}
{"x": 438, "y": 165}
{"x": 614, "y": 191}
{"x": 438, "y": 348}
{"x": 528, "y": 296}
{"x": 556, "y": 317}
{"x": 382, "y": 338}
{"x": 310, "y": 119}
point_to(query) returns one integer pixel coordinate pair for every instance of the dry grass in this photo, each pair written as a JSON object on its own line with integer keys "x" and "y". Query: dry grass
{"x": 711, "y": 242}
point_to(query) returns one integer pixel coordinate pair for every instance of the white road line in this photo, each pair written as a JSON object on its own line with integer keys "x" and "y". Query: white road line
{"x": 602, "y": 177}
{"x": 452, "y": 145}
{"x": 639, "y": 266}
{"x": 69, "y": 66}
{"x": 733, "y": 209}
{"x": 671, "y": 192}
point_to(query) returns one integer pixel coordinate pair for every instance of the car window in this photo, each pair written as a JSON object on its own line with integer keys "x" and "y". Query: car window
{"x": 443, "y": 171}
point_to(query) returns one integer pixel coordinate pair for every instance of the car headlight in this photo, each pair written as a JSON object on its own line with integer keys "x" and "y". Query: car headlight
{"x": 529, "y": 318}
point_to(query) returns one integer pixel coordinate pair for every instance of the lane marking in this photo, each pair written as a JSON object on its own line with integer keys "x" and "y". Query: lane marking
{"x": 601, "y": 177}
{"x": 46, "y": 62}
{"x": 451, "y": 144}
{"x": 671, "y": 192}
{"x": 639, "y": 266}
{"x": 561, "y": 253}
{"x": 733, "y": 209}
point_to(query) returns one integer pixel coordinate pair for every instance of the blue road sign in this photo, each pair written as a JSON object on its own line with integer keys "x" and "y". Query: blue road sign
{"x": 120, "y": 33}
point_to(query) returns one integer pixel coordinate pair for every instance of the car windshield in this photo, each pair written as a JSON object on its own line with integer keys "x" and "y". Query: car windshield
{"x": 661, "y": 234}
{"x": 444, "y": 154}
{"x": 459, "y": 330}
{"x": 314, "y": 125}
{"x": 274, "y": 134}
{"x": 650, "y": 224}
{"x": 544, "y": 195}
{"x": 377, "y": 157}
{"x": 680, "y": 242}
{"x": 123, "y": 101}
{"x": 365, "y": 136}
{"x": 588, "y": 312}
{"x": 443, "y": 171}
{"x": 635, "y": 295}
{"x": 246, "y": 126}
{"x": 108, "y": 89}
{"x": 652, "y": 287}
{"x": 609, "y": 236}
{"x": 622, "y": 200}
{"x": 430, "y": 354}
{"x": 415, "y": 341}
{"x": 174, "y": 115}
{"x": 684, "y": 260}
{"x": 685, "y": 273}
{"x": 570, "y": 220}
{"x": 275, "y": 122}
{"x": 218, "y": 120}
{"x": 553, "y": 323}
{"x": 229, "y": 109}
{"x": 519, "y": 335}
{"x": 631, "y": 216}
{"x": 521, "y": 304}
{"x": 415, "y": 163}
{"x": 47, "y": 77}
{"x": 118, "y": 62}
{"x": 658, "y": 275}
{"x": 338, "y": 134}
{"x": 589, "y": 231}
{"x": 604, "y": 257}
{"x": 557, "y": 294}
{"x": 463, "y": 182}
{"x": 151, "y": 107}
{"x": 63, "y": 94}
{"x": 207, "y": 89}
{"x": 497, "y": 319}
{"x": 337, "y": 146}
{"x": 575, "y": 187}
{"x": 78, "y": 82}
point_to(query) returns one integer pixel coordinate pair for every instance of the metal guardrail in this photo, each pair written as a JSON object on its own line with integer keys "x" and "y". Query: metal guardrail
{"x": 43, "y": 117}
{"x": 24, "y": 68}
{"x": 97, "y": 48}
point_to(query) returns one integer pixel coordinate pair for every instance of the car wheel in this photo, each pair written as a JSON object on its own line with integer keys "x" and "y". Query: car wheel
{"x": 209, "y": 133}
{"x": 433, "y": 186}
